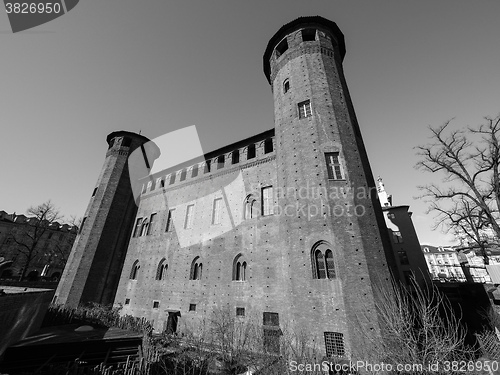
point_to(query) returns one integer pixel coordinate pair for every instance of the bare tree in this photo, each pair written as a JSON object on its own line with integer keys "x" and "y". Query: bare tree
{"x": 468, "y": 200}
{"x": 420, "y": 329}
{"x": 29, "y": 236}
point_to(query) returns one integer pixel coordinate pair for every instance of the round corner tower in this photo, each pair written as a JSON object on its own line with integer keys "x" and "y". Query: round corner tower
{"x": 330, "y": 219}
{"x": 94, "y": 266}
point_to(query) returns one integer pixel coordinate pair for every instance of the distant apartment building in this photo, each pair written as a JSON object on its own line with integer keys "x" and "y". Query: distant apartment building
{"x": 50, "y": 253}
{"x": 443, "y": 263}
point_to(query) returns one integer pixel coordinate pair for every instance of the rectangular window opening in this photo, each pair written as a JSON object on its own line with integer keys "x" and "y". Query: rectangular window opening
{"x": 305, "y": 109}
{"x": 170, "y": 220}
{"x": 151, "y": 222}
{"x": 217, "y": 208}
{"x": 335, "y": 170}
{"x": 403, "y": 257}
{"x": 172, "y": 178}
{"x": 268, "y": 146}
{"x": 267, "y": 201}
{"x": 334, "y": 344}
{"x": 281, "y": 47}
{"x": 94, "y": 192}
{"x": 183, "y": 174}
{"x": 137, "y": 229}
{"x": 220, "y": 161}
{"x": 235, "y": 157}
{"x": 192, "y": 307}
{"x": 271, "y": 319}
{"x": 194, "y": 172}
{"x": 207, "y": 166}
{"x": 156, "y": 304}
{"x": 308, "y": 35}
{"x": 251, "y": 151}
{"x": 188, "y": 223}
{"x": 240, "y": 311}
{"x": 127, "y": 301}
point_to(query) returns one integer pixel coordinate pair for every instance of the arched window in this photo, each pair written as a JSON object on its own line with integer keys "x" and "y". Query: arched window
{"x": 330, "y": 267}
{"x": 322, "y": 261}
{"x": 320, "y": 265}
{"x": 239, "y": 268}
{"x": 134, "y": 273}
{"x": 161, "y": 272}
{"x": 196, "y": 269}
{"x": 250, "y": 207}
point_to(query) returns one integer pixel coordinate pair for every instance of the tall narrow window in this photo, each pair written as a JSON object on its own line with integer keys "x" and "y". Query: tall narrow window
{"x": 334, "y": 167}
{"x": 235, "y": 157}
{"x": 268, "y": 146}
{"x": 281, "y": 47}
{"x": 161, "y": 271}
{"x": 239, "y": 268}
{"x": 207, "y": 166}
{"x": 134, "y": 272}
{"x": 305, "y": 109}
{"x": 286, "y": 86}
{"x": 334, "y": 344}
{"x": 188, "y": 223}
{"x": 267, "y": 201}
{"x": 170, "y": 220}
{"x": 196, "y": 269}
{"x": 162, "y": 183}
{"x": 251, "y": 151}
{"x": 330, "y": 266}
{"x": 220, "y": 161}
{"x": 250, "y": 207}
{"x": 397, "y": 237}
{"x": 320, "y": 265}
{"x": 194, "y": 172}
{"x": 216, "y": 214}
{"x": 172, "y": 178}
{"x": 183, "y": 174}
{"x": 82, "y": 224}
{"x": 138, "y": 225}
{"x": 151, "y": 222}
{"x": 144, "y": 227}
{"x": 94, "y": 192}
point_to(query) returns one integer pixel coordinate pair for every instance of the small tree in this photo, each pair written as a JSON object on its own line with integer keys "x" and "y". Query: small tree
{"x": 468, "y": 200}
{"x": 28, "y": 236}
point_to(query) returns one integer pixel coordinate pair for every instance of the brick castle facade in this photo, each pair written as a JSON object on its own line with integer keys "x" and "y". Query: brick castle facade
{"x": 285, "y": 225}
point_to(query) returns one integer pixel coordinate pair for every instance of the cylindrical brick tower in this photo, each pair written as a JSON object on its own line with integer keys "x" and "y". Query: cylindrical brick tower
{"x": 330, "y": 217}
{"x": 95, "y": 263}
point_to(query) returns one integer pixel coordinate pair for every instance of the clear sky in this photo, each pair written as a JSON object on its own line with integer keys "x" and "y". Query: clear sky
{"x": 157, "y": 66}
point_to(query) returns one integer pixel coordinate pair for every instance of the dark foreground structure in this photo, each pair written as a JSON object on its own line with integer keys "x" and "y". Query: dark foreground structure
{"x": 284, "y": 228}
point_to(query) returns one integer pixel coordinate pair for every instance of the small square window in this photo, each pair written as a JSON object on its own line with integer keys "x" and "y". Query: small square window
{"x": 334, "y": 343}
{"x": 127, "y": 301}
{"x": 156, "y": 304}
{"x": 240, "y": 311}
{"x": 271, "y": 319}
{"x": 192, "y": 307}
{"x": 403, "y": 257}
{"x": 305, "y": 109}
